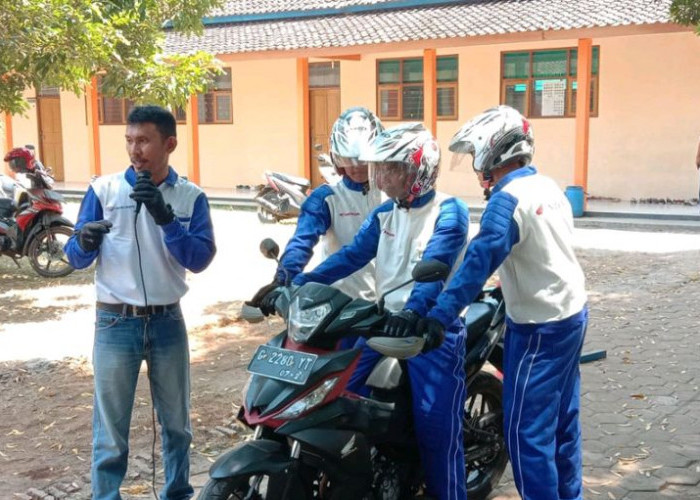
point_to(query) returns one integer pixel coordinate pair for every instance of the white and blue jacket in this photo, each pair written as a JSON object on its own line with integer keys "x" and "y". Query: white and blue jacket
{"x": 333, "y": 214}
{"x": 435, "y": 227}
{"x": 166, "y": 251}
{"x": 526, "y": 229}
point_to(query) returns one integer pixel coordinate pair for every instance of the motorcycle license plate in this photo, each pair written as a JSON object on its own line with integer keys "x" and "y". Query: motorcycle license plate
{"x": 282, "y": 364}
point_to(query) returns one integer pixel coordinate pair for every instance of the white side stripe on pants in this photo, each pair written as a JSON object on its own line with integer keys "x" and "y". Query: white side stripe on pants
{"x": 520, "y": 406}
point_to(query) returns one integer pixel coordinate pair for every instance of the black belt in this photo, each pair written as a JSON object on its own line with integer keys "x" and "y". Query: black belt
{"x": 135, "y": 311}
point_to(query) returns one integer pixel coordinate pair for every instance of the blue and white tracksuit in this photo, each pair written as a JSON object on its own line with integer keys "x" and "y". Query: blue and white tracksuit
{"x": 526, "y": 229}
{"x": 123, "y": 342}
{"x": 434, "y": 227}
{"x": 333, "y": 214}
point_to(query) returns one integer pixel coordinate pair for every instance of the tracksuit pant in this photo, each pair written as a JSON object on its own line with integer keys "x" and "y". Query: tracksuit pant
{"x": 541, "y": 407}
{"x": 438, "y": 392}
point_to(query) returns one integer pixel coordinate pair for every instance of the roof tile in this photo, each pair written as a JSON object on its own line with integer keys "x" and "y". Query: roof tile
{"x": 477, "y": 17}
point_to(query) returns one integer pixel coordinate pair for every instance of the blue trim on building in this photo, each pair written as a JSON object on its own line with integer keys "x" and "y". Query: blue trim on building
{"x": 305, "y": 14}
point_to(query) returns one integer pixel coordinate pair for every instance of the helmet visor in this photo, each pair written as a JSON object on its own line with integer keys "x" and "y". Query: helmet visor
{"x": 352, "y": 167}
{"x": 462, "y": 162}
{"x": 393, "y": 178}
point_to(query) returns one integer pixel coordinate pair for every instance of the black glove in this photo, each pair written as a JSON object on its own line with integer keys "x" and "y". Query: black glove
{"x": 401, "y": 324}
{"x": 432, "y": 331}
{"x": 146, "y": 192}
{"x": 91, "y": 234}
{"x": 267, "y": 304}
{"x": 260, "y": 294}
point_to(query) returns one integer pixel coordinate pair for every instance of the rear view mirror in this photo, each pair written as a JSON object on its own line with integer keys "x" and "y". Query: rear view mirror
{"x": 430, "y": 270}
{"x": 269, "y": 248}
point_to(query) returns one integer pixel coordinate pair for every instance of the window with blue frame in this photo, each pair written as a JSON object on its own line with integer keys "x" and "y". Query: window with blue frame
{"x": 543, "y": 83}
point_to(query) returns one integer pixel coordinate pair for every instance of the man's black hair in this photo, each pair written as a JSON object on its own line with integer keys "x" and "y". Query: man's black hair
{"x": 160, "y": 117}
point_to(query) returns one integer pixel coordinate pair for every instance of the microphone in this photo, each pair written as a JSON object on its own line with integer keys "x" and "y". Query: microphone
{"x": 144, "y": 174}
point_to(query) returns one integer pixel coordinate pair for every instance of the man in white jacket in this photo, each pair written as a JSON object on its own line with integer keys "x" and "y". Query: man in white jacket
{"x": 526, "y": 233}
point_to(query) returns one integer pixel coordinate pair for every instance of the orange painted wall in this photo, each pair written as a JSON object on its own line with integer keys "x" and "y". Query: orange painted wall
{"x": 644, "y": 142}
{"x": 24, "y": 127}
{"x": 75, "y": 138}
{"x": 264, "y": 133}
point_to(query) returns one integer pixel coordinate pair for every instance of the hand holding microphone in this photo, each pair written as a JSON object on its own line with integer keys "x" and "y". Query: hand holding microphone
{"x": 147, "y": 193}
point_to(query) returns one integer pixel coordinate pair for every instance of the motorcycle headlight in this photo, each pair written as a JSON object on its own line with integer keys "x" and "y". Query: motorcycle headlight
{"x": 314, "y": 398}
{"x": 302, "y": 322}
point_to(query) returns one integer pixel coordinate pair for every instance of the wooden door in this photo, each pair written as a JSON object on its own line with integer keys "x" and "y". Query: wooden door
{"x": 50, "y": 134}
{"x": 324, "y": 104}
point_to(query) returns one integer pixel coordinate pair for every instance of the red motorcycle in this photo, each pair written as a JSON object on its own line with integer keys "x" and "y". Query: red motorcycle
{"x": 31, "y": 221}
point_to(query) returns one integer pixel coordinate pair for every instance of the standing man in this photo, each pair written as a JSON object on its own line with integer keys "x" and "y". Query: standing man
{"x": 416, "y": 224}
{"x": 526, "y": 229}
{"x": 334, "y": 214}
{"x": 142, "y": 256}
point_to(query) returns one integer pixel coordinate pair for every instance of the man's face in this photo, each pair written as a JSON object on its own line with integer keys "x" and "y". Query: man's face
{"x": 358, "y": 173}
{"x": 392, "y": 178}
{"x": 356, "y": 170}
{"x": 149, "y": 150}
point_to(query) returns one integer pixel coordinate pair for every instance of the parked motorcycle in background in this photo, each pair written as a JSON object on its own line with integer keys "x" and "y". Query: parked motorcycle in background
{"x": 314, "y": 439}
{"x": 282, "y": 195}
{"x": 31, "y": 221}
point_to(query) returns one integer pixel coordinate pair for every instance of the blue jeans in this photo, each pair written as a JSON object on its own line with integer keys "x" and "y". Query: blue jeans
{"x": 121, "y": 345}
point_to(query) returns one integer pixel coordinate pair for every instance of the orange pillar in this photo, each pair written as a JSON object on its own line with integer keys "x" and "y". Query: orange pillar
{"x": 303, "y": 116}
{"x": 93, "y": 122}
{"x": 193, "y": 140}
{"x": 430, "y": 90}
{"x": 583, "y": 112}
{"x": 8, "y": 140}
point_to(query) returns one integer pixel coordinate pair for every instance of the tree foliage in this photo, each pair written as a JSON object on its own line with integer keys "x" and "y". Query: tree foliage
{"x": 65, "y": 43}
{"x": 686, "y": 12}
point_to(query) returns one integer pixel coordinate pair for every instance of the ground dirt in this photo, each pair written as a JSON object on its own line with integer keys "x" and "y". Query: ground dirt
{"x": 46, "y": 399}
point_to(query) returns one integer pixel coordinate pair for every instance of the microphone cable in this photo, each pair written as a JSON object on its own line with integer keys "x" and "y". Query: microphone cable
{"x": 146, "y": 330}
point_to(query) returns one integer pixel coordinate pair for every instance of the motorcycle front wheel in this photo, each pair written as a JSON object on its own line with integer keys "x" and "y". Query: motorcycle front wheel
{"x": 259, "y": 487}
{"x": 45, "y": 252}
{"x": 485, "y": 455}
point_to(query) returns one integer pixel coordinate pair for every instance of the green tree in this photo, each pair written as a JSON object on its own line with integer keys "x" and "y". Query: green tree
{"x": 686, "y": 12}
{"x": 65, "y": 43}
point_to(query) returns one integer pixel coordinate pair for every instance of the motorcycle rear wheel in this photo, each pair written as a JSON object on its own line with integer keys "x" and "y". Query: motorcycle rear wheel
{"x": 45, "y": 252}
{"x": 483, "y": 410}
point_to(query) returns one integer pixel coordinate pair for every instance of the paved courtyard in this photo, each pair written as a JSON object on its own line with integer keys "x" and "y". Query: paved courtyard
{"x": 640, "y": 405}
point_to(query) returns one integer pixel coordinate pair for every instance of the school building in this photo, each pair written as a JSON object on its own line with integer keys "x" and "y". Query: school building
{"x": 611, "y": 89}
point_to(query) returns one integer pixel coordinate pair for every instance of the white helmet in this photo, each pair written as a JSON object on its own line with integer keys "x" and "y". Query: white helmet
{"x": 494, "y": 138}
{"x": 352, "y": 133}
{"x": 410, "y": 152}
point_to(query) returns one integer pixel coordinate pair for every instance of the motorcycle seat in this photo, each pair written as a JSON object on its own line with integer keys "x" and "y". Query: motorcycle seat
{"x": 301, "y": 181}
{"x": 477, "y": 320}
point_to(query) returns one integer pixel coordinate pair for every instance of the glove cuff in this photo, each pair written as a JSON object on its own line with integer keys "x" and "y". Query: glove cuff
{"x": 167, "y": 218}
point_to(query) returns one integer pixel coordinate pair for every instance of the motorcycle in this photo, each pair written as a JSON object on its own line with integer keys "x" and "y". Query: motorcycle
{"x": 31, "y": 221}
{"x": 282, "y": 195}
{"x": 314, "y": 439}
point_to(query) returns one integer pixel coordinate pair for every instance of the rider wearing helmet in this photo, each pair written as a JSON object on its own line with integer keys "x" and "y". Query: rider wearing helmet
{"x": 415, "y": 224}
{"x": 333, "y": 212}
{"x": 526, "y": 229}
